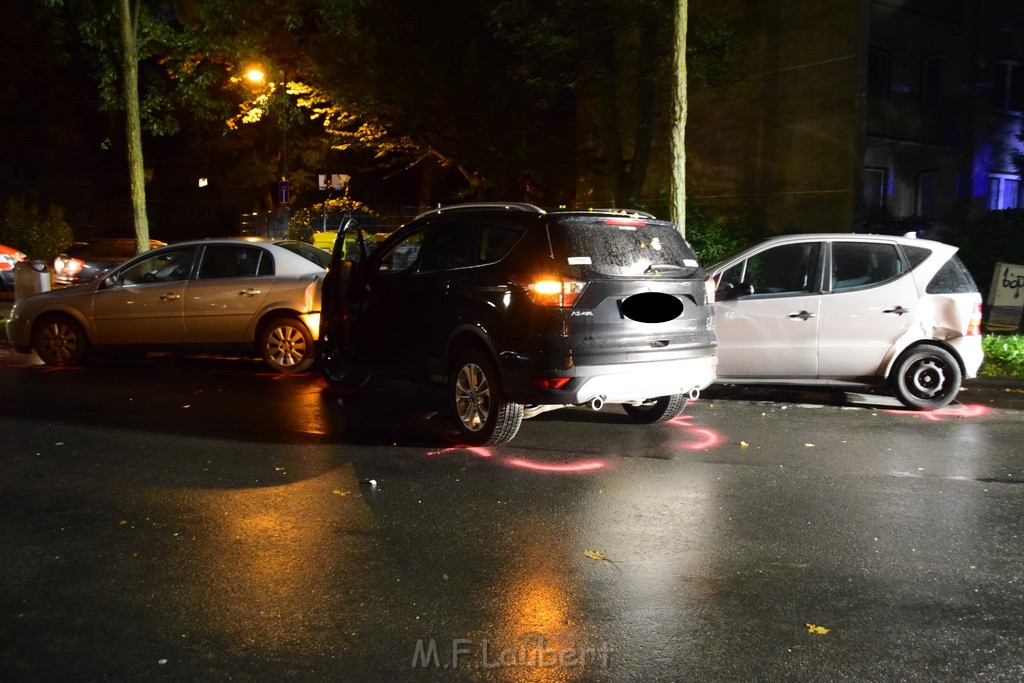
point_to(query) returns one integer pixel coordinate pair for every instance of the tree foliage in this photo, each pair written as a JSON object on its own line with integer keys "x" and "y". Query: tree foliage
{"x": 541, "y": 100}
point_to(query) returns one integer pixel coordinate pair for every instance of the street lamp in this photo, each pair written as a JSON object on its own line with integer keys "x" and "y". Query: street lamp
{"x": 257, "y": 76}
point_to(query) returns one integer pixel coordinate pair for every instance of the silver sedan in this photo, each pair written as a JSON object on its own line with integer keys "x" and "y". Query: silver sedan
{"x": 244, "y": 294}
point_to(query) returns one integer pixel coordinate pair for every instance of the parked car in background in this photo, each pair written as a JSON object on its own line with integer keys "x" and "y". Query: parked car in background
{"x": 9, "y": 256}
{"x": 519, "y": 311}
{"x": 843, "y": 309}
{"x": 243, "y": 294}
{"x": 85, "y": 261}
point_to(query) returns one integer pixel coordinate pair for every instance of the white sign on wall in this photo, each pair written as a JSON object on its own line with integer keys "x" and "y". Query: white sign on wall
{"x": 1006, "y": 297}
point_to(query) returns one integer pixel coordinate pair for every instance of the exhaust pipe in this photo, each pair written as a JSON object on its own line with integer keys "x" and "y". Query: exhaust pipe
{"x": 597, "y": 403}
{"x": 694, "y": 394}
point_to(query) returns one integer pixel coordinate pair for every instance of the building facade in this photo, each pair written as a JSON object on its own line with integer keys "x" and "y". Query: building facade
{"x": 874, "y": 115}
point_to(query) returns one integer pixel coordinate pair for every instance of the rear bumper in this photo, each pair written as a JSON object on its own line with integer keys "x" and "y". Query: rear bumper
{"x": 970, "y": 351}
{"x": 620, "y": 382}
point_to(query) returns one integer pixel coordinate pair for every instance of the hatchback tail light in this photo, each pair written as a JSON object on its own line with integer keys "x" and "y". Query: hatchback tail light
{"x": 974, "y": 327}
{"x": 555, "y": 291}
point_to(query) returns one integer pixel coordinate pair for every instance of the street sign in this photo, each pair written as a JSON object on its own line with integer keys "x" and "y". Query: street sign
{"x": 282, "y": 192}
{"x": 1005, "y": 299}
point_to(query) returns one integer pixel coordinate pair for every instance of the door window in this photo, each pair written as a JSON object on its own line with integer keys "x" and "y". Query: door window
{"x": 167, "y": 266}
{"x": 231, "y": 260}
{"x": 785, "y": 270}
{"x": 856, "y": 265}
{"x": 403, "y": 255}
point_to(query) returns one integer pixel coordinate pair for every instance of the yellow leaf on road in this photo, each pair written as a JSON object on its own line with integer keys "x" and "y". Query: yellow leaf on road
{"x": 817, "y": 630}
{"x": 595, "y": 555}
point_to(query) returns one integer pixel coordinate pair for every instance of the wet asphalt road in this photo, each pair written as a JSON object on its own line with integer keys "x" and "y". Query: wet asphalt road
{"x": 198, "y": 519}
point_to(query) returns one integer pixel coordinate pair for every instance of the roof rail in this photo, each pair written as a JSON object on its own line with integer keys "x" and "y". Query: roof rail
{"x": 626, "y": 212}
{"x": 518, "y": 206}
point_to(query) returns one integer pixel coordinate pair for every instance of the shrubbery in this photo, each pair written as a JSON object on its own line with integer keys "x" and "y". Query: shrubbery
{"x": 714, "y": 237}
{"x": 41, "y": 234}
{"x": 305, "y": 222}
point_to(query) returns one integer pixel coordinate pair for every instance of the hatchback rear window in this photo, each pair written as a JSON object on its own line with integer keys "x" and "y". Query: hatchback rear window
{"x": 622, "y": 247}
{"x": 952, "y": 278}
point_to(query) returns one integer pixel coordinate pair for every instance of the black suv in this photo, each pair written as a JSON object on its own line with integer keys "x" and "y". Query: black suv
{"x": 519, "y": 310}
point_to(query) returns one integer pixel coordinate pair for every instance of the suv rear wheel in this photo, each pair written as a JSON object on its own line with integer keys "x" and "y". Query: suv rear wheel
{"x": 654, "y": 410}
{"x": 926, "y": 377}
{"x": 476, "y": 395}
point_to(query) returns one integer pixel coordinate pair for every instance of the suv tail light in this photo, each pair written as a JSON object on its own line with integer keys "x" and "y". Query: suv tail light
{"x": 555, "y": 291}
{"x": 974, "y": 327}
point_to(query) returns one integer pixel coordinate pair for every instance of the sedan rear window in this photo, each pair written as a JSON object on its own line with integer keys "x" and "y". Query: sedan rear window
{"x": 307, "y": 251}
{"x": 623, "y": 247}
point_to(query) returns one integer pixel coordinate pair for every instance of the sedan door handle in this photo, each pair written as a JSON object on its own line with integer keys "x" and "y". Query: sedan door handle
{"x": 249, "y": 292}
{"x": 803, "y": 315}
{"x": 898, "y": 310}
{"x": 170, "y": 296}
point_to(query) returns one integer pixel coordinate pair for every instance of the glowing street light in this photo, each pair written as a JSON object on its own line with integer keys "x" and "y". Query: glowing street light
{"x": 255, "y": 75}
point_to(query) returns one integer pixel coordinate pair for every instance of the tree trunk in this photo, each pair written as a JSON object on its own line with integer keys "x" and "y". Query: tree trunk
{"x": 678, "y": 198}
{"x": 133, "y": 121}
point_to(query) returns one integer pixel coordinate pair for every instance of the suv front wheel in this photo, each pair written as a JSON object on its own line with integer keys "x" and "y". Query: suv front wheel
{"x": 474, "y": 389}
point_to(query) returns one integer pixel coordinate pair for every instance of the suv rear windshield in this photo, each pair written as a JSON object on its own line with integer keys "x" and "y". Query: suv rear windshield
{"x": 622, "y": 247}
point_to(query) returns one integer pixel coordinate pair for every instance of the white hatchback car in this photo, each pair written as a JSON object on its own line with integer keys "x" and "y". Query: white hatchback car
{"x": 246, "y": 294}
{"x": 844, "y": 309}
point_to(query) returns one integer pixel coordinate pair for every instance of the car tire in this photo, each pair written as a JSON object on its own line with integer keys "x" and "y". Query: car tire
{"x": 659, "y": 409}
{"x": 925, "y": 377}
{"x": 483, "y": 415}
{"x": 338, "y": 368}
{"x": 59, "y": 340}
{"x": 287, "y": 345}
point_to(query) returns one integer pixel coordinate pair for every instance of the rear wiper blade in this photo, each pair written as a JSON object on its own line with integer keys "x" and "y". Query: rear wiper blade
{"x": 654, "y": 267}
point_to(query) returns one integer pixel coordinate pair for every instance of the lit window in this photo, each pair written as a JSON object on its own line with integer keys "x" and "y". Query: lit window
{"x": 1003, "y": 192}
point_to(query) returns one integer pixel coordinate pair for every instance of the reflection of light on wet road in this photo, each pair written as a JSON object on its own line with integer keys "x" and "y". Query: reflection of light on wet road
{"x": 969, "y": 410}
{"x": 535, "y": 622}
{"x": 478, "y": 450}
{"x": 268, "y": 567}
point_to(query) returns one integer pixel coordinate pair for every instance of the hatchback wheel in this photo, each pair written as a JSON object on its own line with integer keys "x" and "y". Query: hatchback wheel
{"x": 59, "y": 340}
{"x": 476, "y": 395}
{"x": 287, "y": 345}
{"x": 925, "y": 377}
{"x": 656, "y": 409}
